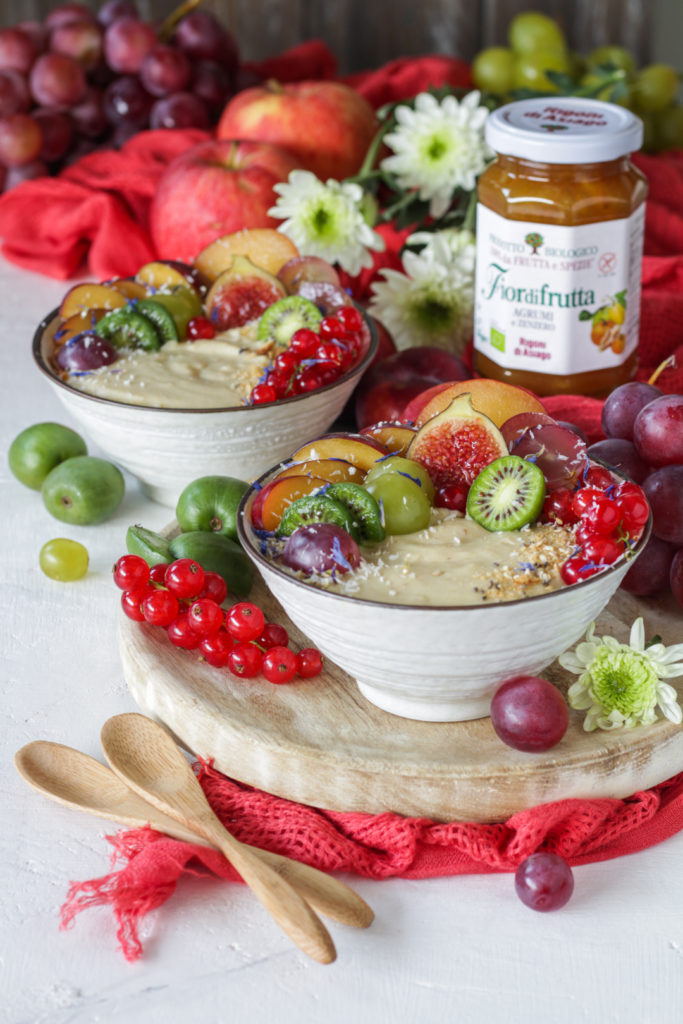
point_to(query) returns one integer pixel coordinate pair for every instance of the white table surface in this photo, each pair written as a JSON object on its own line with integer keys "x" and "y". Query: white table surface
{"x": 459, "y": 948}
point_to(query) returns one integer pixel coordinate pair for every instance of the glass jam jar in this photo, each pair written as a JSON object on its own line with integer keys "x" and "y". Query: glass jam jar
{"x": 560, "y": 223}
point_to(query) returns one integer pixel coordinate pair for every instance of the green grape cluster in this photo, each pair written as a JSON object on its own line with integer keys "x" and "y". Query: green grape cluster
{"x": 538, "y": 62}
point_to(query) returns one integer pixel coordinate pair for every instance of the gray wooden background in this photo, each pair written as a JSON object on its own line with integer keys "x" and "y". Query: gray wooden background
{"x": 366, "y": 33}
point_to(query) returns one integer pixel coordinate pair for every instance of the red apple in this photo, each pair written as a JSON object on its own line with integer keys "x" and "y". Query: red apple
{"x": 390, "y": 384}
{"x": 213, "y": 189}
{"x": 327, "y": 125}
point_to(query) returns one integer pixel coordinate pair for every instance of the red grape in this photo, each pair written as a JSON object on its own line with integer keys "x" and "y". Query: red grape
{"x": 57, "y": 129}
{"x": 115, "y": 10}
{"x": 559, "y": 453}
{"x": 211, "y": 83}
{"x": 622, "y": 455}
{"x": 56, "y": 81}
{"x": 658, "y": 431}
{"x": 81, "y": 40}
{"x": 664, "y": 491}
{"x": 38, "y": 32}
{"x": 126, "y": 103}
{"x": 544, "y": 882}
{"x": 181, "y": 110}
{"x": 650, "y": 572}
{"x": 68, "y": 12}
{"x": 164, "y": 70}
{"x": 27, "y": 172}
{"x": 676, "y": 577}
{"x": 529, "y": 714}
{"x": 623, "y": 405}
{"x": 126, "y": 44}
{"x": 321, "y": 547}
{"x": 86, "y": 351}
{"x": 14, "y": 94}
{"x": 20, "y": 140}
{"x": 203, "y": 37}
{"x": 88, "y": 114}
{"x": 17, "y": 50}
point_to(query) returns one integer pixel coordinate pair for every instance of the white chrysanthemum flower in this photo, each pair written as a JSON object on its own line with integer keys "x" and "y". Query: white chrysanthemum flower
{"x": 620, "y": 685}
{"x": 438, "y": 147}
{"x": 432, "y": 302}
{"x": 325, "y": 219}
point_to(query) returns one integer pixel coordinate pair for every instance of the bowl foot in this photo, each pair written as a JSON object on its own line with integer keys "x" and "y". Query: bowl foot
{"x": 421, "y": 710}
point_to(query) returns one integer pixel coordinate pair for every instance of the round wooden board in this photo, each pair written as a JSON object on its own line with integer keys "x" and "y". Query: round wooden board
{"x": 320, "y": 742}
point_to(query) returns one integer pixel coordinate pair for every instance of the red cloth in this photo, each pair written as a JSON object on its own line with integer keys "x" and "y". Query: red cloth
{"x": 373, "y": 846}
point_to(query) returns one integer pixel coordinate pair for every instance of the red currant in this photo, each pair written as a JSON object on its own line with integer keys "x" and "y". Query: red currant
{"x": 602, "y": 515}
{"x": 200, "y": 327}
{"x": 262, "y": 394}
{"x": 577, "y": 568}
{"x": 584, "y": 498}
{"x": 279, "y": 382}
{"x": 245, "y": 621}
{"x": 309, "y": 662}
{"x": 602, "y": 550}
{"x": 184, "y": 577}
{"x": 304, "y": 342}
{"x": 216, "y": 648}
{"x": 205, "y": 616}
{"x": 279, "y": 665}
{"x": 181, "y": 634}
{"x": 330, "y": 327}
{"x": 597, "y": 476}
{"x": 286, "y": 361}
{"x": 131, "y": 572}
{"x": 350, "y": 318}
{"x": 453, "y": 496}
{"x": 273, "y": 635}
{"x": 215, "y": 587}
{"x": 160, "y": 608}
{"x": 331, "y": 352}
{"x": 158, "y": 572}
{"x": 308, "y": 379}
{"x": 245, "y": 660}
{"x": 558, "y": 507}
{"x": 131, "y": 602}
{"x": 634, "y": 509}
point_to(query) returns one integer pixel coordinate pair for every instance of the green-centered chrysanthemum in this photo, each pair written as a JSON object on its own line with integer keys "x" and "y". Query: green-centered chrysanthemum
{"x": 621, "y": 685}
{"x": 326, "y": 219}
{"x": 431, "y": 303}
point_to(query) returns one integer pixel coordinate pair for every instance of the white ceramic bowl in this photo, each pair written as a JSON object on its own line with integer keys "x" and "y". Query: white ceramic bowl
{"x": 438, "y": 664}
{"x": 168, "y": 448}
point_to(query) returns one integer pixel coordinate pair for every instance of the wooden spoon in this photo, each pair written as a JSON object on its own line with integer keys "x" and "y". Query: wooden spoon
{"x": 78, "y": 780}
{"x": 147, "y": 759}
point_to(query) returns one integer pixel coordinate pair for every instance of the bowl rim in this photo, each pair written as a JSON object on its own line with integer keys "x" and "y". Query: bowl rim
{"x": 245, "y": 538}
{"x": 350, "y": 375}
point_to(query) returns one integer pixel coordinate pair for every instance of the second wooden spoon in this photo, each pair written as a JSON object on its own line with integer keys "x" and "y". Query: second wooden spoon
{"x": 145, "y": 756}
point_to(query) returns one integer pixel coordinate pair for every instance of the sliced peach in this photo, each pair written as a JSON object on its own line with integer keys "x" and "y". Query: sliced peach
{"x": 168, "y": 274}
{"x": 395, "y": 437}
{"x": 83, "y": 321}
{"x": 241, "y": 294}
{"x": 360, "y": 451}
{"x": 496, "y": 399}
{"x": 266, "y": 247}
{"x": 332, "y": 470}
{"x": 90, "y": 295}
{"x": 271, "y": 501}
{"x": 128, "y": 287}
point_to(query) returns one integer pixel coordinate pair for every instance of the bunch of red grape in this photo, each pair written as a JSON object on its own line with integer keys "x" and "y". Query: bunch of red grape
{"x": 186, "y": 601}
{"x": 644, "y": 431}
{"x": 81, "y": 80}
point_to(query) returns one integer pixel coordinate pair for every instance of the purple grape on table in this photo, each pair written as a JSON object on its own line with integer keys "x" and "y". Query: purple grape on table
{"x": 17, "y": 50}
{"x": 126, "y": 44}
{"x": 676, "y": 577}
{"x": 649, "y": 574}
{"x": 67, "y": 12}
{"x": 321, "y": 547}
{"x": 529, "y": 713}
{"x": 664, "y": 492}
{"x": 115, "y": 10}
{"x": 544, "y": 881}
{"x": 126, "y": 102}
{"x": 38, "y": 32}
{"x": 622, "y": 455}
{"x": 57, "y": 130}
{"x": 165, "y": 70}
{"x": 20, "y": 140}
{"x": 86, "y": 351}
{"x": 181, "y": 110}
{"x": 212, "y": 83}
{"x": 14, "y": 94}
{"x": 658, "y": 431}
{"x": 88, "y": 114}
{"x": 203, "y": 37}
{"x": 623, "y": 405}
{"x": 82, "y": 40}
{"x": 56, "y": 81}
{"x": 27, "y": 172}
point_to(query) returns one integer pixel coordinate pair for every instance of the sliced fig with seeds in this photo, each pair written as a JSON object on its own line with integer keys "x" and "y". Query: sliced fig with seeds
{"x": 457, "y": 444}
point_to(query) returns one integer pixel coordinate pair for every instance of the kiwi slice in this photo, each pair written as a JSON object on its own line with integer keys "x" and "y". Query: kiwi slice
{"x": 125, "y": 328}
{"x": 507, "y": 494}
{"x": 315, "y": 508}
{"x": 160, "y": 317}
{"x": 284, "y": 317}
{"x": 364, "y": 509}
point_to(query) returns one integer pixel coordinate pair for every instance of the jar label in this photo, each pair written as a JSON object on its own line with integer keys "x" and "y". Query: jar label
{"x": 558, "y": 300}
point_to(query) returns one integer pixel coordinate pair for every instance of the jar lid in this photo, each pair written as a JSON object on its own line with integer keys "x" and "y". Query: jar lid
{"x": 564, "y": 130}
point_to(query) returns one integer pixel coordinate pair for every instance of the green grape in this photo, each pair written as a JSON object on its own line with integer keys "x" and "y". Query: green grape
{"x": 654, "y": 88}
{"x": 406, "y": 467}
{"x": 63, "y": 559}
{"x": 668, "y": 128}
{"x": 531, "y": 31}
{"x": 617, "y": 56}
{"x": 492, "y": 70}
{"x": 406, "y": 507}
{"x": 529, "y": 71}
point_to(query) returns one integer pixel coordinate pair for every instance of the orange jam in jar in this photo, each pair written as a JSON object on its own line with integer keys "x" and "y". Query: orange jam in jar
{"x": 560, "y": 222}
